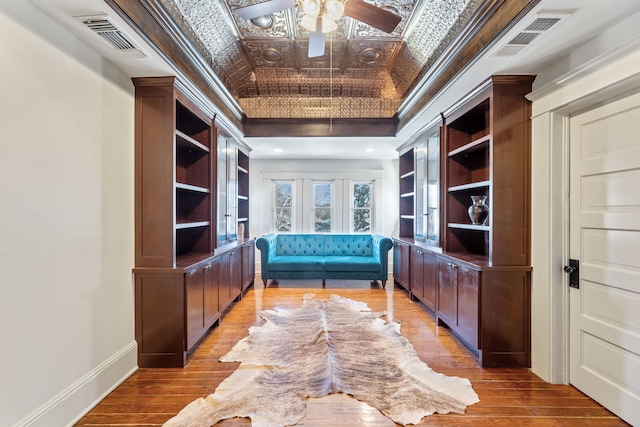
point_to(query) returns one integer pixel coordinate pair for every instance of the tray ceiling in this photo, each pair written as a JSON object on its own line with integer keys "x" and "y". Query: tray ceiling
{"x": 364, "y": 73}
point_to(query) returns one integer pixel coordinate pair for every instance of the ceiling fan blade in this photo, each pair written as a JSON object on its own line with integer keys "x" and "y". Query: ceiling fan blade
{"x": 265, "y": 8}
{"x": 316, "y": 43}
{"x": 372, "y": 15}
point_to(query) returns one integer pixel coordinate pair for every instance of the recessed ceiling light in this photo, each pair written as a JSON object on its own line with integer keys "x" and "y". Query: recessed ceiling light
{"x": 369, "y": 150}
{"x": 278, "y": 150}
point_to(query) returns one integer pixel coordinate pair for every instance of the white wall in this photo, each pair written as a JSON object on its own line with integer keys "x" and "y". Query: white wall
{"x": 66, "y": 222}
{"x": 386, "y": 210}
{"x": 262, "y": 170}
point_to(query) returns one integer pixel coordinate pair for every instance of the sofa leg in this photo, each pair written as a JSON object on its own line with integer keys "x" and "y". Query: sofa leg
{"x": 323, "y": 283}
{"x": 264, "y": 282}
{"x": 384, "y": 283}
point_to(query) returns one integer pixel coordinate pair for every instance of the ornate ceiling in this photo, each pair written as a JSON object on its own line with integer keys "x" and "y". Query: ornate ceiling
{"x": 364, "y": 74}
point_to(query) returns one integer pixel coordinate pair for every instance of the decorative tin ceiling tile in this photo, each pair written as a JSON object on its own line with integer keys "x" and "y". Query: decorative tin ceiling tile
{"x": 270, "y": 53}
{"x": 265, "y": 66}
{"x": 372, "y": 53}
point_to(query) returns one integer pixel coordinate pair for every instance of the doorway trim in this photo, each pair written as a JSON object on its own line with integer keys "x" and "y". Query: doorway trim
{"x": 552, "y": 107}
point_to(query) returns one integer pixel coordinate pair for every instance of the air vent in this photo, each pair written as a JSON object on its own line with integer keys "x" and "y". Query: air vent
{"x": 110, "y": 34}
{"x": 531, "y": 32}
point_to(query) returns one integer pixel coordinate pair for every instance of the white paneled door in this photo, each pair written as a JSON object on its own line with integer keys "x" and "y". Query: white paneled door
{"x": 605, "y": 239}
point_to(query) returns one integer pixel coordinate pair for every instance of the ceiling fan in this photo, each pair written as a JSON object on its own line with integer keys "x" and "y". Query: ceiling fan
{"x": 320, "y": 17}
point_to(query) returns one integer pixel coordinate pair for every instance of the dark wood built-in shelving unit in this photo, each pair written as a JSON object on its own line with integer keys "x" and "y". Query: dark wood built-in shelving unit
{"x": 183, "y": 280}
{"x": 481, "y": 274}
{"x": 243, "y": 194}
{"x": 407, "y": 193}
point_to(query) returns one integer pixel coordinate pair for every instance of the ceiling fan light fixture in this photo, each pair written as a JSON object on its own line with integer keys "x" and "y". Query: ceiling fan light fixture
{"x": 334, "y": 9}
{"x": 328, "y": 24}
{"x": 321, "y": 15}
{"x": 311, "y": 8}
{"x": 309, "y": 22}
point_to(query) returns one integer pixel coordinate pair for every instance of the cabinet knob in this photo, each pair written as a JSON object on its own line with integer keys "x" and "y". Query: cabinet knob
{"x": 452, "y": 265}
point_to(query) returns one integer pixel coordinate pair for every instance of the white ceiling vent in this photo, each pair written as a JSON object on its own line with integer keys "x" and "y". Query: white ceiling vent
{"x": 112, "y": 35}
{"x": 530, "y": 33}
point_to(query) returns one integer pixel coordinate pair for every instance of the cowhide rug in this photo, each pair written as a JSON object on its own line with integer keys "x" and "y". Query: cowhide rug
{"x": 324, "y": 347}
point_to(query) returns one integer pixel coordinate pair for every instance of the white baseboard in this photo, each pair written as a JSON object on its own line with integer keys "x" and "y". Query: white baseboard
{"x": 75, "y": 401}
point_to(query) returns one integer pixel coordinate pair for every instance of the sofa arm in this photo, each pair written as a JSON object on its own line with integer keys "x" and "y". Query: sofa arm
{"x": 267, "y": 245}
{"x": 381, "y": 247}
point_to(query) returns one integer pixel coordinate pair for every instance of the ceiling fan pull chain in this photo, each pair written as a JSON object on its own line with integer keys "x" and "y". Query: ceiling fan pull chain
{"x": 331, "y": 82}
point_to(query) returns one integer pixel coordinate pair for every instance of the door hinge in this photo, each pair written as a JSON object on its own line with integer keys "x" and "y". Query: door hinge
{"x": 574, "y": 273}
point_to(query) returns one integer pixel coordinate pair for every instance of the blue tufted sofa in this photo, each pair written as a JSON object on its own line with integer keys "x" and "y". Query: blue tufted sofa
{"x": 324, "y": 256}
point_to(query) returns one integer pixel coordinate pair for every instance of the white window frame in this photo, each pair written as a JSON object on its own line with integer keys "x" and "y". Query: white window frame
{"x": 303, "y": 214}
{"x": 312, "y": 211}
{"x": 351, "y": 205}
{"x": 274, "y": 183}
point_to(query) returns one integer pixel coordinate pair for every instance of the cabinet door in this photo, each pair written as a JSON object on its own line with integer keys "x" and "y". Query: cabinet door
{"x": 429, "y": 280}
{"x": 467, "y": 321}
{"x": 227, "y": 190}
{"x": 222, "y": 190}
{"x": 248, "y": 265}
{"x": 221, "y": 267}
{"x": 403, "y": 265}
{"x": 416, "y": 277}
{"x": 232, "y": 192}
{"x": 194, "y": 289}
{"x": 211, "y": 296}
{"x": 427, "y": 186}
{"x": 235, "y": 273}
{"x": 447, "y": 292}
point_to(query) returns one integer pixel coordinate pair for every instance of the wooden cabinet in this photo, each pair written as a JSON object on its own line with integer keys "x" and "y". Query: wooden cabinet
{"x": 458, "y": 298}
{"x": 447, "y": 310}
{"x": 211, "y": 303}
{"x": 222, "y": 274}
{"x": 194, "y": 291}
{"x": 203, "y": 300}
{"x": 483, "y": 270}
{"x": 229, "y": 272}
{"x": 488, "y": 153}
{"x": 401, "y": 272}
{"x": 183, "y": 279}
{"x": 173, "y": 170}
{"x": 235, "y": 273}
{"x": 248, "y": 265}
{"x": 487, "y": 141}
{"x": 424, "y": 280}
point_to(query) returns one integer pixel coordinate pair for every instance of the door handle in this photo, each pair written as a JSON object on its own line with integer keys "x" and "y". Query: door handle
{"x": 573, "y": 269}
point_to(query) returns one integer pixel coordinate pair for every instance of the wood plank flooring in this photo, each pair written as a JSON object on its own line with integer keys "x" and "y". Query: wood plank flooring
{"x": 507, "y": 396}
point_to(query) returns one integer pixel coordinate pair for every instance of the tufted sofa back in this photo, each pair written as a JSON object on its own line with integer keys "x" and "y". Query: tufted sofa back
{"x": 347, "y": 245}
{"x": 324, "y": 244}
{"x": 300, "y": 244}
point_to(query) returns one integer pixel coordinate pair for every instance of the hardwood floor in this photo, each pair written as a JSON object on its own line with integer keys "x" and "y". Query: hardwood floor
{"x": 507, "y": 396}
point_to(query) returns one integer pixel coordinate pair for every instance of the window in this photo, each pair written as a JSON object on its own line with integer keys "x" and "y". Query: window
{"x": 313, "y": 202}
{"x": 283, "y": 206}
{"x": 323, "y": 207}
{"x": 362, "y": 196}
